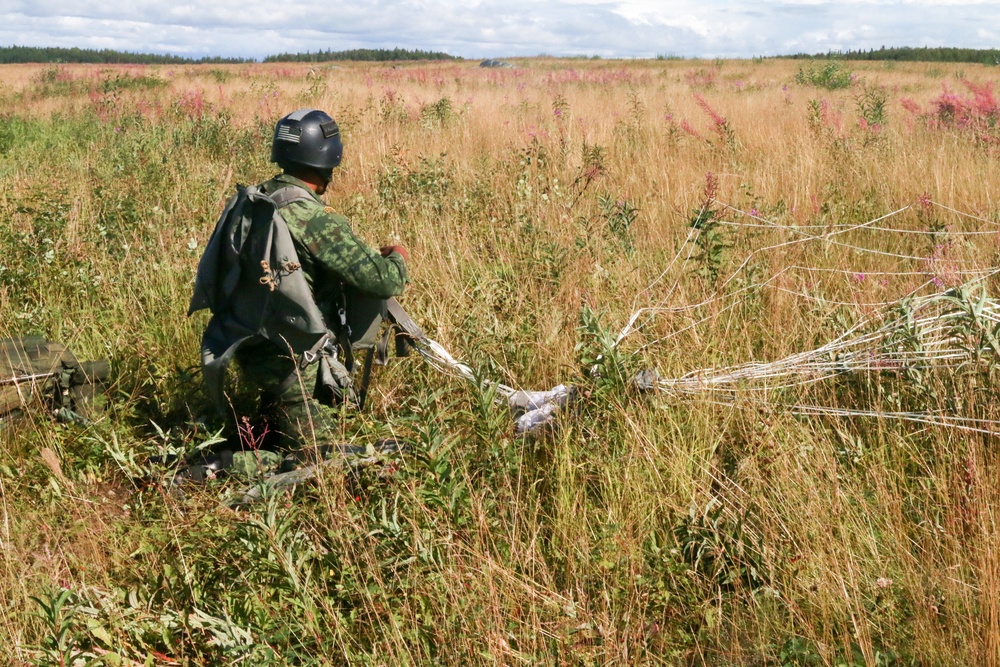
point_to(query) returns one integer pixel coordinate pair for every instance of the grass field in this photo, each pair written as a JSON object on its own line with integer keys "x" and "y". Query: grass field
{"x": 569, "y": 221}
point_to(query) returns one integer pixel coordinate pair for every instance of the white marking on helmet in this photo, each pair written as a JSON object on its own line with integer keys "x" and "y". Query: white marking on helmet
{"x": 299, "y": 114}
{"x": 289, "y": 134}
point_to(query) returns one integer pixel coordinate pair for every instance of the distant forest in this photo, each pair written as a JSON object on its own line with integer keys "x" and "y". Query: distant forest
{"x": 372, "y": 55}
{"x": 36, "y": 54}
{"x": 51, "y": 54}
{"x": 909, "y": 54}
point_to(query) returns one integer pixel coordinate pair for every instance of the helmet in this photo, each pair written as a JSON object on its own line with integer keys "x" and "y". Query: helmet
{"x": 308, "y": 138}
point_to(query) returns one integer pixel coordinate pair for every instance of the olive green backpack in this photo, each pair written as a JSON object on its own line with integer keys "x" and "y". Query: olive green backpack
{"x": 38, "y": 373}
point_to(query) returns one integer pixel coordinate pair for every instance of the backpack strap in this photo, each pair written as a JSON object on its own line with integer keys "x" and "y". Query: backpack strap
{"x": 406, "y": 330}
{"x": 407, "y": 327}
{"x": 366, "y": 378}
{"x": 289, "y": 195}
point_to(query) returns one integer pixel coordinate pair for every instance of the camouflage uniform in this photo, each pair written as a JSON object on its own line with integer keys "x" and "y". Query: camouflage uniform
{"x": 332, "y": 257}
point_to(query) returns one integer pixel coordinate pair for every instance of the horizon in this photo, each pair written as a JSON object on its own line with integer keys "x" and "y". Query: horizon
{"x": 331, "y": 51}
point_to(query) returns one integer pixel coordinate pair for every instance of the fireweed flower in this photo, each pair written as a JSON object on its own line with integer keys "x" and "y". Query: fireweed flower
{"x": 924, "y": 200}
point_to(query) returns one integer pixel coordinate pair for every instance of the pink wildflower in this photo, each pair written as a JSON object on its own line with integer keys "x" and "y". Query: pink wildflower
{"x": 711, "y": 186}
{"x": 910, "y": 105}
{"x": 686, "y": 126}
{"x": 924, "y": 200}
{"x": 720, "y": 122}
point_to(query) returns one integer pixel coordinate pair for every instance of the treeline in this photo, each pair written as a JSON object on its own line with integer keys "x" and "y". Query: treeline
{"x": 53, "y": 54}
{"x": 910, "y": 54}
{"x": 371, "y": 55}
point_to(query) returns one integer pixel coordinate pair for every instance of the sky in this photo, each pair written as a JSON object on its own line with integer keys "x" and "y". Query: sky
{"x": 500, "y": 28}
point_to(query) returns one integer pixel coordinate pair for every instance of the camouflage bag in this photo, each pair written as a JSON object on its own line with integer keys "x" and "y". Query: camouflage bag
{"x": 38, "y": 372}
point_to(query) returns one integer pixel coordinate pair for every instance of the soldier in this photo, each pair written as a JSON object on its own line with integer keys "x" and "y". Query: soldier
{"x": 337, "y": 266}
{"x": 336, "y": 263}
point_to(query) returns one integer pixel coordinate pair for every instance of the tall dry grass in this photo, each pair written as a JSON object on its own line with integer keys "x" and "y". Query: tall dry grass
{"x": 543, "y": 205}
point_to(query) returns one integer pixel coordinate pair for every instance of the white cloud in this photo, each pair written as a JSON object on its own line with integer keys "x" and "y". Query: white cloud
{"x": 709, "y": 28}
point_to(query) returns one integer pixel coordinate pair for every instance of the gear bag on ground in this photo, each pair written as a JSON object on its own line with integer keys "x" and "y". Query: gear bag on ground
{"x": 37, "y": 372}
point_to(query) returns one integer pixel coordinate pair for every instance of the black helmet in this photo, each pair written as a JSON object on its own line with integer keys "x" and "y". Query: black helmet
{"x": 308, "y": 138}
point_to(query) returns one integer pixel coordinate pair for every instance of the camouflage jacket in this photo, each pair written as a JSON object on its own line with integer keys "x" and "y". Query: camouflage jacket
{"x": 331, "y": 254}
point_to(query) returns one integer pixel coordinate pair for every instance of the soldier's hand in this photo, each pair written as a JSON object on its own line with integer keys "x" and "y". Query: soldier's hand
{"x": 387, "y": 250}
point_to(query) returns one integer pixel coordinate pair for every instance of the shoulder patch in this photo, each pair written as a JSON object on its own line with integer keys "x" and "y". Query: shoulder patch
{"x": 328, "y": 209}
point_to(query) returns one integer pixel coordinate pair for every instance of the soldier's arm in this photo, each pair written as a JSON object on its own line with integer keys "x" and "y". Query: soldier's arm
{"x": 334, "y": 245}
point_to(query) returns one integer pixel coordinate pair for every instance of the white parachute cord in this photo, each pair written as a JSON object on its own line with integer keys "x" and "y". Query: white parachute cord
{"x": 846, "y": 354}
{"x": 965, "y": 424}
{"x": 968, "y": 424}
{"x": 981, "y": 274}
{"x": 441, "y": 360}
{"x": 635, "y": 316}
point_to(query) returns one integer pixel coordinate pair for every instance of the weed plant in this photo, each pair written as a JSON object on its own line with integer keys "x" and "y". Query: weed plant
{"x": 831, "y": 75}
{"x": 542, "y": 205}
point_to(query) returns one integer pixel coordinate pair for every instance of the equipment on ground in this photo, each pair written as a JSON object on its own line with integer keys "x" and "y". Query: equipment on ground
{"x": 38, "y": 372}
{"x": 382, "y": 457}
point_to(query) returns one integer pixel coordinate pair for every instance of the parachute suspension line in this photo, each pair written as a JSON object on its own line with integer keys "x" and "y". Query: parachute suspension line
{"x": 441, "y": 360}
{"x": 978, "y": 274}
{"x": 657, "y": 308}
{"x": 872, "y": 345}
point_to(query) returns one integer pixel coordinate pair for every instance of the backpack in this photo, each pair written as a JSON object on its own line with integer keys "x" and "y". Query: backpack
{"x": 249, "y": 277}
{"x": 36, "y": 371}
{"x": 251, "y": 280}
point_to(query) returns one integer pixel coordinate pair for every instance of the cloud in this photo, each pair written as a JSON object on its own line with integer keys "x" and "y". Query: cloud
{"x": 611, "y": 28}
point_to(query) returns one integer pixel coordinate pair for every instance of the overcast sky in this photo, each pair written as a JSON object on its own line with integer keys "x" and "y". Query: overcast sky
{"x": 500, "y": 28}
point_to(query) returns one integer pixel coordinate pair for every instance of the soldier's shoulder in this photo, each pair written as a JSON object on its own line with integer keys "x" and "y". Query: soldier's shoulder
{"x": 302, "y": 211}
{"x": 316, "y": 221}
{"x": 326, "y": 215}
